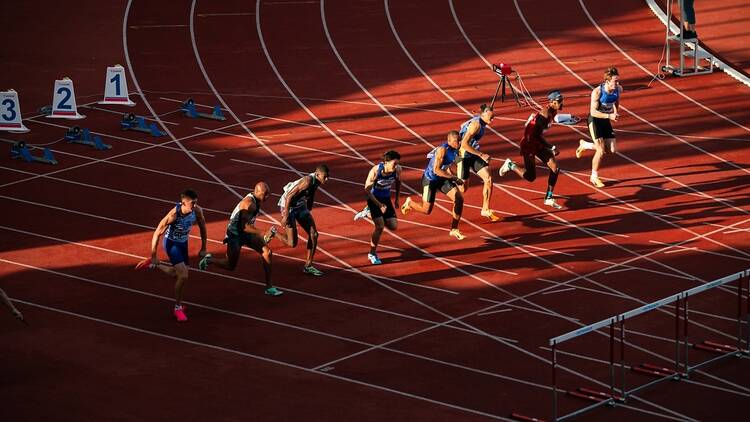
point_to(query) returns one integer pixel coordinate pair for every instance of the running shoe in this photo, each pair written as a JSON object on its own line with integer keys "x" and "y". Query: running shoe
{"x": 407, "y": 206}
{"x": 273, "y": 291}
{"x": 270, "y": 235}
{"x": 491, "y": 215}
{"x": 374, "y": 260}
{"x": 179, "y": 313}
{"x": 312, "y": 271}
{"x": 597, "y": 182}
{"x": 550, "y": 202}
{"x": 457, "y": 234}
{"x": 362, "y": 214}
{"x": 580, "y": 149}
{"x": 505, "y": 167}
{"x": 146, "y": 264}
{"x": 203, "y": 263}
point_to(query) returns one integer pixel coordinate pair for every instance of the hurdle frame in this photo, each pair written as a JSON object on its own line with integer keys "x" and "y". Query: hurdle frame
{"x": 682, "y": 367}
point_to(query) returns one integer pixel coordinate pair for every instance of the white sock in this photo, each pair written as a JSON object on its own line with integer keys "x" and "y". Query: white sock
{"x": 594, "y": 174}
{"x": 588, "y": 145}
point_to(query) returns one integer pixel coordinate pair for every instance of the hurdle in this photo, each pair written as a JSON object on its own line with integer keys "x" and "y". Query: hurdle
{"x": 21, "y": 151}
{"x": 682, "y": 364}
{"x": 76, "y": 135}
{"x": 137, "y": 123}
{"x": 188, "y": 107}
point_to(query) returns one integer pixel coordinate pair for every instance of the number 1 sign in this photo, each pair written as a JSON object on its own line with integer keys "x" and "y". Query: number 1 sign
{"x": 116, "y": 87}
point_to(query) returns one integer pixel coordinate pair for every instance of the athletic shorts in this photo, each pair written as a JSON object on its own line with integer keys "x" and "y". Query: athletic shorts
{"x": 296, "y": 215}
{"x": 237, "y": 241}
{"x": 430, "y": 188}
{"x": 468, "y": 161}
{"x": 176, "y": 251}
{"x": 601, "y": 128}
{"x": 376, "y": 212}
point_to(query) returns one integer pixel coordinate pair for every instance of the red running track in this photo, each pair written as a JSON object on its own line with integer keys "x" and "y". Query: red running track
{"x": 341, "y": 82}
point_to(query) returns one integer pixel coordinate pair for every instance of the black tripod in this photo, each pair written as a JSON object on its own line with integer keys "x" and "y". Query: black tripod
{"x": 503, "y": 71}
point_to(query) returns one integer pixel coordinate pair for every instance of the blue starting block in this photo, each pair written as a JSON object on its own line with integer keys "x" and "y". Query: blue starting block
{"x": 132, "y": 122}
{"x": 188, "y": 107}
{"x": 76, "y": 135}
{"x": 20, "y": 151}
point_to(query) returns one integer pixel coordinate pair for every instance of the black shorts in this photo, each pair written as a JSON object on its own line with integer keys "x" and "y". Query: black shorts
{"x": 430, "y": 188}
{"x": 299, "y": 214}
{"x": 376, "y": 212}
{"x": 600, "y": 128}
{"x": 468, "y": 161}
{"x": 237, "y": 241}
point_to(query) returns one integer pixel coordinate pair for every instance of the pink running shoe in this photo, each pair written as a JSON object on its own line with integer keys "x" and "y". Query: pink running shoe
{"x": 179, "y": 313}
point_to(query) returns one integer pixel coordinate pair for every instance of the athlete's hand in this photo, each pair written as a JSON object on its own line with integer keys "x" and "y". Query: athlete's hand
{"x": 614, "y": 116}
{"x": 485, "y": 157}
{"x": 382, "y": 206}
{"x": 458, "y": 181}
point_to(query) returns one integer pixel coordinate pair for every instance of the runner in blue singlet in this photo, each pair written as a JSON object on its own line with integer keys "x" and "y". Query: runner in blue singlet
{"x": 438, "y": 175}
{"x": 603, "y": 110}
{"x": 471, "y": 158}
{"x": 175, "y": 226}
{"x": 382, "y": 178}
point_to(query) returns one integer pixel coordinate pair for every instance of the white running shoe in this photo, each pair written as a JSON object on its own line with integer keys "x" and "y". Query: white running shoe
{"x": 505, "y": 167}
{"x": 457, "y": 234}
{"x": 374, "y": 260}
{"x": 362, "y": 214}
{"x": 551, "y": 203}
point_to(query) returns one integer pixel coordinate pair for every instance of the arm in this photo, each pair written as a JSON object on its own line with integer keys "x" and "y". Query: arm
{"x": 466, "y": 145}
{"x": 594, "y": 103}
{"x": 302, "y": 185}
{"x": 369, "y": 183}
{"x": 247, "y": 207}
{"x": 398, "y": 186}
{"x": 439, "y": 154}
{"x": 202, "y": 226}
{"x": 160, "y": 229}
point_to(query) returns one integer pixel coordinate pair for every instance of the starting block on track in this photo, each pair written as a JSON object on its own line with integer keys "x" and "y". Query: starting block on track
{"x": 132, "y": 122}
{"x": 76, "y": 135}
{"x": 188, "y": 107}
{"x": 20, "y": 151}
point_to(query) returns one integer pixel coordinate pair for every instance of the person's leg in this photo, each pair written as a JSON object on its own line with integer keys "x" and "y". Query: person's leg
{"x": 377, "y": 231}
{"x": 463, "y": 166}
{"x": 610, "y": 145}
{"x": 527, "y": 170}
{"x": 305, "y": 219}
{"x": 229, "y": 261}
{"x": 458, "y": 205}
{"x": 554, "y": 171}
{"x": 484, "y": 173}
{"x": 181, "y": 276}
{"x": 429, "y": 189}
{"x": 595, "y": 129}
{"x": 689, "y": 19}
{"x": 257, "y": 244}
